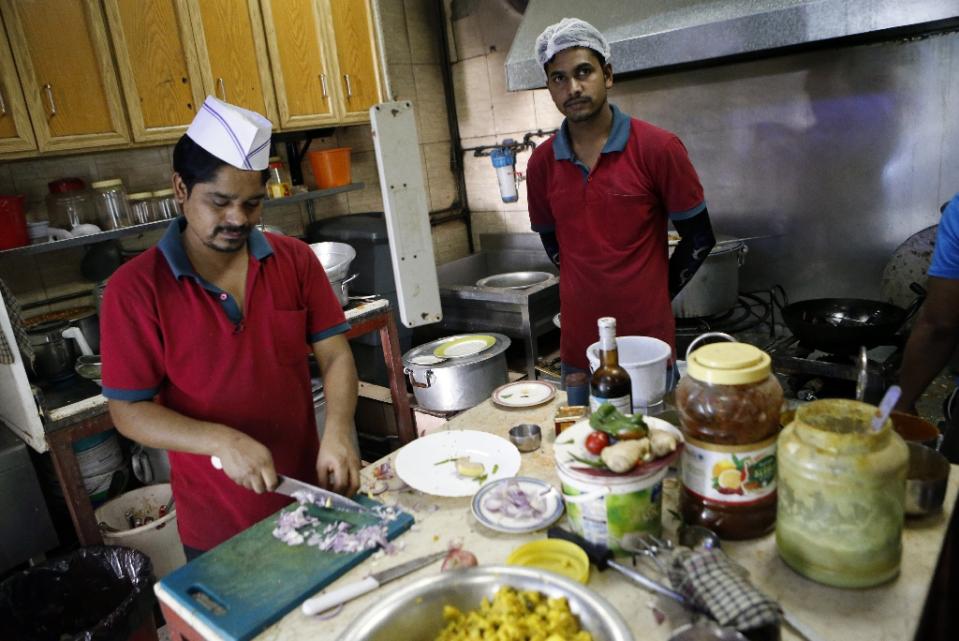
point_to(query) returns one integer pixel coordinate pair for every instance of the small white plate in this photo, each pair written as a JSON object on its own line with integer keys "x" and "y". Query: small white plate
{"x": 465, "y": 346}
{"x": 428, "y": 464}
{"x": 523, "y": 394}
{"x": 496, "y": 520}
{"x": 426, "y": 359}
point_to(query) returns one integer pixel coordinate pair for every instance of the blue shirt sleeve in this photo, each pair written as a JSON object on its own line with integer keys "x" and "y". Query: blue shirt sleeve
{"x": 945, "y": 257}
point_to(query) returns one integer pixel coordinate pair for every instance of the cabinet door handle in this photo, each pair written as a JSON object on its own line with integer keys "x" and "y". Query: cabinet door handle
{"x": 222, "y": 85}
{"x": 326, "y": 93}
{"x": 3, "y": 105}
{"x": 349, "y": 85}
{"x": 49, "y": 91}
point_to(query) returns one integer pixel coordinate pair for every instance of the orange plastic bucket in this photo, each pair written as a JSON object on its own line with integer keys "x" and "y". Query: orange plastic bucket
{"x": 331, "y": 167}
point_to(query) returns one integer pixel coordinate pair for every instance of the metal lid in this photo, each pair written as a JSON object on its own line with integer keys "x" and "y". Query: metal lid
{"x": 162, "y": 193}
{"x": 140, "y": 195}
{"x": 106, "y": 184}
{"x": 427, "y": 349}
{"x": 729, "y": 364}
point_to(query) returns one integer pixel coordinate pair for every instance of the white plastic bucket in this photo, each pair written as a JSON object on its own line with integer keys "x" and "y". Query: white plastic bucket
{"x": 158, "y": 539}
{"x": 646, "y": 359}
{"x": 610, "y": 510}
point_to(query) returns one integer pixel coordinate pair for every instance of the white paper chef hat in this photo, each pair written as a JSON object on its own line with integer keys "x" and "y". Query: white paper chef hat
{"x": 236, "y": 136}
{"x": 566, "y": 34}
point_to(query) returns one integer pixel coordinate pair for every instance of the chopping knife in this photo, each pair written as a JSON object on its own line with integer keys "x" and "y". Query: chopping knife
{"x": 327, "y": 600}
{"x": 328, "y": 500}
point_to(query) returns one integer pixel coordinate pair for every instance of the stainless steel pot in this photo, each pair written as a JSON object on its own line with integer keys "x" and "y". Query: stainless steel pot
{"x": 54, "y": 355}
{"x": 714, "y": 289}
{"x": 342, "y": 289}
{"x": 454, "y": 384}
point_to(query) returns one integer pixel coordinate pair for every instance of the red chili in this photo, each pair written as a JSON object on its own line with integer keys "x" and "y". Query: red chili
{"x": 596, "y": 441}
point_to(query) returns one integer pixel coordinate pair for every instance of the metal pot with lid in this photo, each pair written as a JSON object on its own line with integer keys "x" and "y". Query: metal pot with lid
{"x": 714, "y": 288}
{"x": 445, "y": 381}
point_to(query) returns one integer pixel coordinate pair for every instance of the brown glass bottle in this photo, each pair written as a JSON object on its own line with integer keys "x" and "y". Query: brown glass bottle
{"x": 729, "y": 408}
{"x": 610, "y": 382}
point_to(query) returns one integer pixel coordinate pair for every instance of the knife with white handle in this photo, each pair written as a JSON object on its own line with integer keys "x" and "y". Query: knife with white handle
{"x": 327, "y": 600}
{"x": 323, "y": 498}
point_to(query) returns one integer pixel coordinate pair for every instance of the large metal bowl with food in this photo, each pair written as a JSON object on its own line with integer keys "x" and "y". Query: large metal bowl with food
{"x": 416, "y": 610}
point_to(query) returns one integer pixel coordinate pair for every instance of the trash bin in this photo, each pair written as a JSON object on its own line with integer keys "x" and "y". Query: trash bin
{"x": 98, "y": 593}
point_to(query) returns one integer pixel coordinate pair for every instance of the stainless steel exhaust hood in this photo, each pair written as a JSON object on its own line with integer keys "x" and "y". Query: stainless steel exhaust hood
{"x": 650, "y": 34}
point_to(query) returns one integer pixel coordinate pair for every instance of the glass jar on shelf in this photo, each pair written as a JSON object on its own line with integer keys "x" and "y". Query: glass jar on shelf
{"x": 279, "y": 184}
{"x": 70, "y": 204}
{"x": 166, "y": 206}
{"x": 113, "y": 208}
{"x": 141, "y": 207}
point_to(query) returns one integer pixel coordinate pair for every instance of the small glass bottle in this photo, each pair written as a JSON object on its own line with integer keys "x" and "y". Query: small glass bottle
{"x": 166, "y": 206}
{"x": 141, "y": 207}
{"x": 279, "y": 184}
{"x": 610, "y": 382}
{"x": 112, "y": 206}
{"x": 729, "y": 404}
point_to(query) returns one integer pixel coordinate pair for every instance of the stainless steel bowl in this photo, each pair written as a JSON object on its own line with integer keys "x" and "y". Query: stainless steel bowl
{"x": 416, "y": 610}
{"x": 514, "y": 280}
{"x": 926, "y": 480}
{"x": 526, "y": 437}
{"x": 335, "y": 258}
{"x": 89, "y": 367}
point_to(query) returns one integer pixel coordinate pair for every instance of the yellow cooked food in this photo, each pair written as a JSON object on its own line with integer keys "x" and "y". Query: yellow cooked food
{"x": 514, "y": 616}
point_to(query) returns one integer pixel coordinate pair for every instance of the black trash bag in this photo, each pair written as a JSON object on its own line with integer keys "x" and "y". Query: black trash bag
{"x": 98, "y": 593}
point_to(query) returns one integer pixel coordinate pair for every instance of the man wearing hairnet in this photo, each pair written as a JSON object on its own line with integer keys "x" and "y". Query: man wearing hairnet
{"x": 601, "y": 193}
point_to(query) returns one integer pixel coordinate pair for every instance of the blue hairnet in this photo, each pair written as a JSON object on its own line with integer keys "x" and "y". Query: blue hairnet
{"x": 568, "y": 33}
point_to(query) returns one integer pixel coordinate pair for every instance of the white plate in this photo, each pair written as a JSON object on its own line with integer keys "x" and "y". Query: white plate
{"x": 501, "y": 523}
{"x": 419, "y": 463}
{"x": 523, "y": 394}
{"x": 426, "y": 359}
{"x": 572, "y": 442}
{"x": 464, "y": 346}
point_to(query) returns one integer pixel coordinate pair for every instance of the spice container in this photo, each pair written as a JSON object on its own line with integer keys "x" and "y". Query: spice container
{"x": 279, "y": 184}
{"x": 166, "y": 206}
{"x": 141, "y": 207}
{"x": 112, "y": 206}
{"x": 69, "y": 204}
{"x": 729, "y": 405}
{"x": 567, "y": 415}
{"x": 842, "y": 490}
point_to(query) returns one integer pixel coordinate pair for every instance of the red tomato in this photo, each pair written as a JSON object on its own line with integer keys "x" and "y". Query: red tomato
{"x": 596, "y": 441}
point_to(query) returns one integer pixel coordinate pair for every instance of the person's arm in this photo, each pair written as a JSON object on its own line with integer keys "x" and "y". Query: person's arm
{"x": 696, "y": 240}
{"x": 551, "y": 245}
{"x": 932, "y": 341}
{"x": 245, "y": 460}
{"x": 338, "y": 463}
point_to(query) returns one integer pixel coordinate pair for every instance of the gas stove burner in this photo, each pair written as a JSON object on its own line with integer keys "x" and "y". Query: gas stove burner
{"x": 753, "y": 312}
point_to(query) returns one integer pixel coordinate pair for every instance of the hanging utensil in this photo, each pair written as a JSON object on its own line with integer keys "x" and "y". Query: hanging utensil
{"x": 885, "y": 407}
{"x": 862, "y": 378}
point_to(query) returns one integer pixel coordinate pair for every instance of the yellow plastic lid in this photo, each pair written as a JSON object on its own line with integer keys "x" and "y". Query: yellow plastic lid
{"x": 104, "y": 184}
{"x": 162, "y": 193}
{"x": 140, "y": 195}
{"x": 729, "y": 364}
{"x": 555, "y": 555}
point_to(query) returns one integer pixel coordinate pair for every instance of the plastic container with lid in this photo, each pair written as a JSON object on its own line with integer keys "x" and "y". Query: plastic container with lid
{"x": 166, "y": 206}
{"x": 70, "y": 204}
{"x": 842, "y": 490}
{"x": 729, "y": 404}
{"x": 279, "y": 184}
{"x": 141, "y": 207}
{"x": 112, "y": 206}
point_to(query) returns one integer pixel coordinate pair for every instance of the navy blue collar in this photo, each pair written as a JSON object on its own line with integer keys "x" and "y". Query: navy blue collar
{"x": 618, "y": 137}
{"x": 171, "y": 246}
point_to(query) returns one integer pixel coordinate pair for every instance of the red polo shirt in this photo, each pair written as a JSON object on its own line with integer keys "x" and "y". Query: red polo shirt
{"x": 171, "y": 336}
{"x": 611, "y": 225}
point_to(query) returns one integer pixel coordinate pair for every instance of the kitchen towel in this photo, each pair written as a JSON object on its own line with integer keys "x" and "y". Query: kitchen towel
{"x": 7, "y": 355}
{"x": 711, "y": 582}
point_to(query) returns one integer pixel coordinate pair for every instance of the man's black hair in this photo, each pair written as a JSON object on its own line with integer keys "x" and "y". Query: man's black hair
{"x": 197, "y": 165}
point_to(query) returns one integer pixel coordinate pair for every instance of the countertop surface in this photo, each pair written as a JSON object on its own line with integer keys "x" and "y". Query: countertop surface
{"x": 888, "y": 612}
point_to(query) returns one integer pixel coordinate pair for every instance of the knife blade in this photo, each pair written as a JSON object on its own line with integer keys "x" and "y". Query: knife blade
{"x": 327, "y": 600}
{"x": 324, "y": 498}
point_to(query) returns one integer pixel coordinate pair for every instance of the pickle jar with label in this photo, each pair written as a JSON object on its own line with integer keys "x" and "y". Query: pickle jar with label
{"x": 729, "y": 404}
{"x": 842, "y": 486}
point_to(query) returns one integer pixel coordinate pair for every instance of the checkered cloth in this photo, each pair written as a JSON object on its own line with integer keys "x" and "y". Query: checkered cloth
{"x": 7, "y": 355}
{"x": 710, "y": 581}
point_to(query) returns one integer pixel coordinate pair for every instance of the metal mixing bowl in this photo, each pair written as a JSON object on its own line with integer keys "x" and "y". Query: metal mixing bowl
{"x": 335, "y": 258}
{"x": 416, "y": 610}
{"x": 926, "y": 480}
{"x": 514, "y": 280}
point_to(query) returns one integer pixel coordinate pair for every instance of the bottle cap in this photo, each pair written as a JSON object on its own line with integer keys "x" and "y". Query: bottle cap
{"x": 104, "y": 184}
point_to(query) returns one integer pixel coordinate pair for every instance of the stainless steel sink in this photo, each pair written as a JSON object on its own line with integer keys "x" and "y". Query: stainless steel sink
{"x": 523, "y": 314}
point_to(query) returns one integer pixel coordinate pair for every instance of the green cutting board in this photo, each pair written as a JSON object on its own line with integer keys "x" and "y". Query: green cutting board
{"x": 252, "y": 580}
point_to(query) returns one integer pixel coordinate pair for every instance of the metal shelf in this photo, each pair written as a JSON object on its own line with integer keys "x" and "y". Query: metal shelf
{"x": 136, "y": 230}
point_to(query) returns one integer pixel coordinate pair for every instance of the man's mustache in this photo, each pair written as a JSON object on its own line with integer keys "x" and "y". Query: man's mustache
{"x": 233, "y": 229}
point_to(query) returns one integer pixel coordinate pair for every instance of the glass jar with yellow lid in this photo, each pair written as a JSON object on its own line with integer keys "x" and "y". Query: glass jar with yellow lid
{"x": 841, "y": 491}
{"x": 729, "y": 404}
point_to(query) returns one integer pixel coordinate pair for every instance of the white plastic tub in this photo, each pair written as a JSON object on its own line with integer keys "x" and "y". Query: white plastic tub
{"x": 646, "y": 359}
{"x": 158, "y": 539}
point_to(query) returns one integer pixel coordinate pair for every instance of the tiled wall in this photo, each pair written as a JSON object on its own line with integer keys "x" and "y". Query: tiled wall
{"x": 412, "y": 57}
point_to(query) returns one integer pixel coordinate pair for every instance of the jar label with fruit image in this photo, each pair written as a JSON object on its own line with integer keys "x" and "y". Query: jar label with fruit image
{"x": 732, "y": 474}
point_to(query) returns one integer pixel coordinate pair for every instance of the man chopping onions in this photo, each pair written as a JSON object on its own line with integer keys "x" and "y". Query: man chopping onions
{"x": 601, "y": 193}
{"x": 205, "y": 342}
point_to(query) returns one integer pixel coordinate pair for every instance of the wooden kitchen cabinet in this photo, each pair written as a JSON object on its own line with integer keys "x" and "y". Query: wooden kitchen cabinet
{"x": 15, "y": 131}
{"x": 157, "y": 61}
{"x": 62, "y": 54}
{"x": 351, "y": 28}
{"x": 232, "y": 53}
